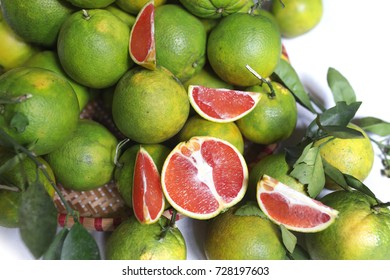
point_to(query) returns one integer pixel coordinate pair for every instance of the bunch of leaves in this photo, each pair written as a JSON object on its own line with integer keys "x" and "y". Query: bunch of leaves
{"x": 307, "y": 164}
{"x": 37, "y": 212}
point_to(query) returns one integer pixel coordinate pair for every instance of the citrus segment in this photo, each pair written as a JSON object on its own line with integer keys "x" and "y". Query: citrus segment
{"x": 202, "y": 177}
{"x": 288, "y": 207}
{"x": 142, "y": 44}
{"x": 148, "y": 198}
{"x": 222, "y": 105}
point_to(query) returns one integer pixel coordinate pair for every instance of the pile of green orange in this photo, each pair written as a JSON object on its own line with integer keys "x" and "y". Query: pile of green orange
{"x": 56, "y": 56}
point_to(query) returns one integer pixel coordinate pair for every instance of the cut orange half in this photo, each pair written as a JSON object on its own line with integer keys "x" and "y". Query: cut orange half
{"x": 296, "y": 211}
{"x": 204, "y": 176}
{"x": 222, "y": 105}
{"x": 142, "y": 44}
{"x": 148, "y": 198}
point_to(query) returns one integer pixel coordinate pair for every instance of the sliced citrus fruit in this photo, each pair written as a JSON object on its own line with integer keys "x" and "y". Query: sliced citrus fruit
{"x": 204, "y": 176}
{"x": 142, "y": 44}
{"x": 222, "y": 105}
{"x": 289, "y": 207}
{"x": 148, "y": 198}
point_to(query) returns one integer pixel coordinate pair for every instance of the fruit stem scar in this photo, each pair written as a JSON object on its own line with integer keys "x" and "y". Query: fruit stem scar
{"x": 86, "y": 15}
{"x": 263, "y": 80}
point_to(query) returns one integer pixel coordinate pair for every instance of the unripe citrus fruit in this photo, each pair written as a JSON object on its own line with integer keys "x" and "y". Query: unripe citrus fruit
{"x": 49, "y": 60}
{"x": 36, "y": 21}
{"x": 26, "y": 172}
{"x": 47, "y": 116}
{"x": 361, "y": 232}
{"x": 231, "y": 236}
{"x": 93, "y": 48}
{"x": 132, "y": 240}
{"x": 91, "y": 4}
{"x": 274, "y": 117}
{"x": 197, "y": 126}
{"x": 213, "y": 9}
{"x": 86, "y": 161}
{"x": 180, "y": 41}
{"x": 297, "y": 17}
{"x": 149, "y": 106}
{"x": 353, "y": 156}
{"x": 134, "y": 6}
{"x": 242, "y": 39}
{"x": 274, "y": 165}
{"x": 14, "y": 51}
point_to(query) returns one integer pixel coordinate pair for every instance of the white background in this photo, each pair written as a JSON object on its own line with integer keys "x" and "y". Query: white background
{"x": 352, "y": 38}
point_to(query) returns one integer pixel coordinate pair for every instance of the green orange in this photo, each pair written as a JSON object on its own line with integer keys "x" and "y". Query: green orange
{"x": 353, "y": 156}
{"x": 180, "y": 41}
{"x": 132, "y": 240}
{"x": 213, "y": 8}
{"x": 297, "y": 17}
{"x": 273, "y": 165}
{"x": 86, "y": 161}
{"x": 14, "y": 51}
{"x": 134, "y": 6}
{"x": 274, "y": 117}
{"x": 93, "y": 48}
{"x": 242, "y": 39}
{"x": 91, "y": 4}
{"x": 361, "y": 232}
{"x": 149, "y": 106}
{"x": 48, "y": 59}
{"x": 36, "y": 21}
{"x": 207, "y": 77}
{"x": 231, "y": 236}
{"x": 48, "y": 113}
{"x": 198, "y": 126}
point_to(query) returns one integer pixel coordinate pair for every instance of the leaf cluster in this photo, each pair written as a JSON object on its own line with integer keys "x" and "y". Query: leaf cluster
{"x": 38, "y": 214}
{"x": 307, "y": 164}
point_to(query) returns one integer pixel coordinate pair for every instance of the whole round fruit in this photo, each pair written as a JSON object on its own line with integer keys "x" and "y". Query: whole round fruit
{"x": 353, "y": 156}
{"x": 93, "y": 48}
{"x": 273, "y": 119}
{"x": 197, "y": 126}
{"x": 91, "y": 4}
{"x": 48, "y": 59}
{"x": 361, "y": 232}
{"x": 48, "y": 112}
{"x": 132, "y": 240}
{"x": 213, "y": 9}
{"x": 234, "y": 236}
{"x": 242, "y": 39}
{"x": 273, "y": 165}
{"x": 134, "y": 6}
{"x": 149, "y": 106}
{"x": 180, "y": 41}
{"x": 36, "y": 21}
{"x": 14, "y": 51}
{"x": 86, "y": 161}
{"x": 297, "y": 17}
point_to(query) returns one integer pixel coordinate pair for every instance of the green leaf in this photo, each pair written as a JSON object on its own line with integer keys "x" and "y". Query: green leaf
{"x": 358, "y": 185}
{"x": 299, "y": 254}
{"x": 11, "y": 163}
{"x": 79, "y": 244}
{"x": 375, "y": 125}
{"x": 19, "y": 122}
{"x": 55, "y": 248}
{"x": 309, "y": 171}
{"x": 288, "y": 238}
{"x": 38, "y": 219}
{"x": 340, "y": 87}
{"x": 250, "y": 208}
{"x": 342, "y": 132}
{"x": 289, "y": 77}
{"x": 339, "y": 115}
